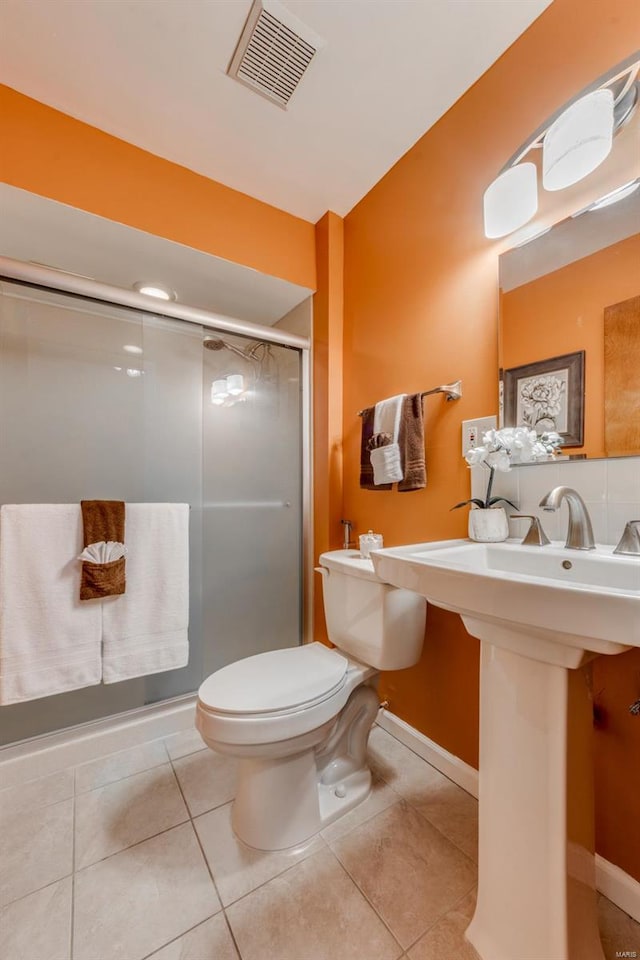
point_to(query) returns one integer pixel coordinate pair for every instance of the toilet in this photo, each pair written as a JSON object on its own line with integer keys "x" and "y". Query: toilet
{"x": 298, "y": 719}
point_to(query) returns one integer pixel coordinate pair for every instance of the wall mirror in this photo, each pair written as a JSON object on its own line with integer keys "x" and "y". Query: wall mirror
{"x": 569, "y": 332}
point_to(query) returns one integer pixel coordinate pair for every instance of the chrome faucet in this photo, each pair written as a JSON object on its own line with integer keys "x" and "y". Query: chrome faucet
{"x": 580, "y": 532}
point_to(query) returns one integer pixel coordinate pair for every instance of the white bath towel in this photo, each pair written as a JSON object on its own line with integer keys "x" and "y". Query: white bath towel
{"x": 386, "y": 461}
{"x": 49, "y": 640}
{"x": 145, "y": 629}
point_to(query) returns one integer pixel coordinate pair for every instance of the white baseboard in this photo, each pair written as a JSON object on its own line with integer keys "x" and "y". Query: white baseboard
{"x": 618, "y": 886}
{"x": 88, "y": 741}
{"x": 453, "y": 767}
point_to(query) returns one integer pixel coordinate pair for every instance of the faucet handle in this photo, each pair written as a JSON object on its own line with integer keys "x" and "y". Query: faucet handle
{"x": 629, "y": 544}
{"x": 535, "y": 535}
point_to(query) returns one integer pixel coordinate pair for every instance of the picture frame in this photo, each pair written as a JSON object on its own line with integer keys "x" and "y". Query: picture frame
{"x": 548, "y": 395}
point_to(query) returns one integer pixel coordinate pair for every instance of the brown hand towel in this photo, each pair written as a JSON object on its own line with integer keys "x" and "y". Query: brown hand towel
{"x": 411, "y": 441}
{"x": 102, "y": 520}
{"x": 366, "y": 470}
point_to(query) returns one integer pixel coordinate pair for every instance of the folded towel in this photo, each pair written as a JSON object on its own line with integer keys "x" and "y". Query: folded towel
{"x": 49, "y": 640}
{"x": 386, "y": 463}
{"x": 102, "y": 552}
{"x": 386, "y": 418}
{"x": 366, "y": 470}
{"x": 385, "y": 458}
{"x": 411, "y": 441}
{"x": 145, "y": 630}
{"x": 103, "y": 520}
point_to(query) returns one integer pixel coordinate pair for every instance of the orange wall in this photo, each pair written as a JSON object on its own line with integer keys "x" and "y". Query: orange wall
{"x": 563, "y": 312}
{"x": 51, "y": 154}
{"x": 421, "y": 308}
{"x": 328, "y": 310}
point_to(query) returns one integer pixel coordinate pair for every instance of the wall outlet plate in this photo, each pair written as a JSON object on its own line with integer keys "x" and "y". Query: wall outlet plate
{"x": 473, "y": 430}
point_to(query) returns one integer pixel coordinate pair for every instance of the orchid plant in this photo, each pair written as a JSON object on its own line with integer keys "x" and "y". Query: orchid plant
{"x": 500, "y": 449}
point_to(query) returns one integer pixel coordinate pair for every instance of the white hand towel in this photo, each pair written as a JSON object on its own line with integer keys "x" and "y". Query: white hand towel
{"x": 387, "y": 464}
{"x": 49, "y": 641}
{"x": 386, "y": 461}
{"x": 145, "y": 629}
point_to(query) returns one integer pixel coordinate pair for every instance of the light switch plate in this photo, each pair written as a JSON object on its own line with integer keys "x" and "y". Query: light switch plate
{"x": 473, "y": 430}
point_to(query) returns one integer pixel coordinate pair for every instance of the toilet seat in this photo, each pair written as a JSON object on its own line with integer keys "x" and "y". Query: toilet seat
{"x": 275, "y": 682}
{"x": 276, "y": 695}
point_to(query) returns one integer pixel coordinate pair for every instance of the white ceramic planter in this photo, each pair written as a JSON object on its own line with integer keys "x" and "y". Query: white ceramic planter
{"x": 488, "y": 526}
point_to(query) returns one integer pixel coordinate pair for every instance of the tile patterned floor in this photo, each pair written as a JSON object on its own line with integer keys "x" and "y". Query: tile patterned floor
{"x": 132, "y": 857}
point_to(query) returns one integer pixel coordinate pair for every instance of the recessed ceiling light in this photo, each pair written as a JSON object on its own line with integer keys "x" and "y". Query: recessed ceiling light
{"x": 132, "y": 348}
{"x": 156, "y": 290}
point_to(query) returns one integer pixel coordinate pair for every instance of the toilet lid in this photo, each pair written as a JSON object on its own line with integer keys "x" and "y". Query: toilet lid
{"x": 275, "y": 681}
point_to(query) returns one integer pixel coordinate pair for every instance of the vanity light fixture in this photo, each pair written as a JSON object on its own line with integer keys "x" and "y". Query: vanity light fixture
{"x": 219, "y": 391}
{"x": 235, "y": 384}
{"x": 511, "y": 200}
{"x": 132, "y": 348}
{"x": 227, "y": 390}
{"x": 574, "y": 143}
{"x": 157, "y": 290}
{"x": 578, "y": 141}
{"x": 618, "y": 194}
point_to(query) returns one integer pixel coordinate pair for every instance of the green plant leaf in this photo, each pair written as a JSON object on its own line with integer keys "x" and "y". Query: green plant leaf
{"x": 503, "y": 500}
{"x": 465, "y": 503}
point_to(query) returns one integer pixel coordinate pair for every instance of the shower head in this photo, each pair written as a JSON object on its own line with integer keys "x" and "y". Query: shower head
{"x": 249, "y": 353}
{"x": 212, "y": 343}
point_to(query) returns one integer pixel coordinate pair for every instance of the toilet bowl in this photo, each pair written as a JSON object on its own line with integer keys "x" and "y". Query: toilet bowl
{"x": 298, "y": 719}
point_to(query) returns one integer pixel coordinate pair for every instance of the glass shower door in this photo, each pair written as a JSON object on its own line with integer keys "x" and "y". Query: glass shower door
{"x": 99, "y": 401}
{"x": 252, "y": 500}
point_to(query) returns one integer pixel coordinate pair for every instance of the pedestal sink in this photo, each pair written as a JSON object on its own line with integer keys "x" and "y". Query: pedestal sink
{"x": 541, "y": 614}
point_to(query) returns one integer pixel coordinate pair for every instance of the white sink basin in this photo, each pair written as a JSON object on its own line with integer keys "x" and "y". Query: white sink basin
{"x": 541, "y": 613}
{"x": 583, "y": 600}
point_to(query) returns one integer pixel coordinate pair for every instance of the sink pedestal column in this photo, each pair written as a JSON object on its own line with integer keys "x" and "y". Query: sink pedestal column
{"x": 536, "y": 890}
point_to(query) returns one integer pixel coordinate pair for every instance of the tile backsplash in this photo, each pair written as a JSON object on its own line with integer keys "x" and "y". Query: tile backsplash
{"x": 610, "y": 488}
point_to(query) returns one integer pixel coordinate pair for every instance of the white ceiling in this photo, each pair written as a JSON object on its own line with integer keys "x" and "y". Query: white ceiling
{"x": 41, "y": 230}
{"x": 153, "y": 73}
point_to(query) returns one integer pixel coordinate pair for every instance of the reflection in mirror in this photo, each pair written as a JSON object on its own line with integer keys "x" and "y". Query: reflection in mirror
{"x": 570, "y": 328}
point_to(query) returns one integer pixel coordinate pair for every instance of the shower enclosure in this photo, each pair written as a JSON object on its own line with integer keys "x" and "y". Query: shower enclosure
{"x": 101, "y": 400}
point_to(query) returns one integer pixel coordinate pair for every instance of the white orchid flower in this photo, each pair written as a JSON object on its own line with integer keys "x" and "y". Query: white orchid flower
{"x": 476, "y": 455}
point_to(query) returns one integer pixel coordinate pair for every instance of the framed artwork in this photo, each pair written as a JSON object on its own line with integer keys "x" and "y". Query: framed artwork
{"x": 548, "y": 395}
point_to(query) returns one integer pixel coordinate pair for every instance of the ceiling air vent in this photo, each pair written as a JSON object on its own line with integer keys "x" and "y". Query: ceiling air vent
{"x": 274, "y": 52}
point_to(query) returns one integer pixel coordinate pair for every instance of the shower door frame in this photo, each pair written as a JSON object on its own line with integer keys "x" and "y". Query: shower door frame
{"x": 70, "y": 283}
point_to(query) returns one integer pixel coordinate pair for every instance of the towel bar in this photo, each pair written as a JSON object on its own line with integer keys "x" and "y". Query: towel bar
{"x": 453, "y": 391}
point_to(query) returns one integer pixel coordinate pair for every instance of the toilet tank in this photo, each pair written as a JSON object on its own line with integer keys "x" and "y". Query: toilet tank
{"x": 378, "y": 624}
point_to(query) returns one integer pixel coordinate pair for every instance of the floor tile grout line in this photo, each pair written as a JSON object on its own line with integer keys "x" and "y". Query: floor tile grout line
{"x": 183, "y": 934}
{"x": 441, "y": 832}
{"x": 440, "y": 918}
{"x": 205, "y": 858}
{"x": 108, "y": 783}
{"x": 132, "y": 845}
{"x": 366, "y": 898}
{"x": 9, "y": 903}
{"x": 73, "y": 872}
{"x": 231, "y": 933}
{"x": 199, "y": 842}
